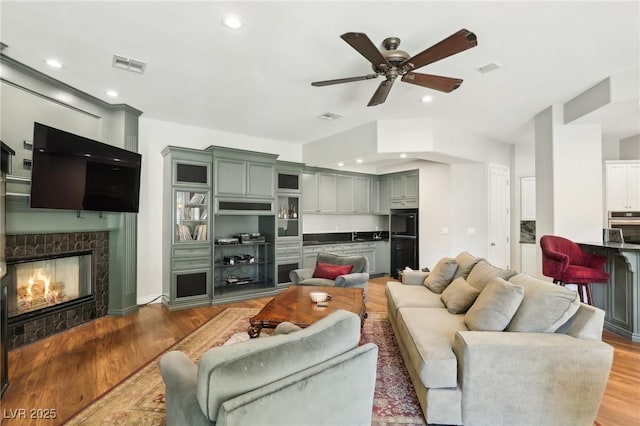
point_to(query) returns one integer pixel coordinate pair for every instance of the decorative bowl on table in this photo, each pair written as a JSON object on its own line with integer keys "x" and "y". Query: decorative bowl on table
{"x": 318, "y": 296}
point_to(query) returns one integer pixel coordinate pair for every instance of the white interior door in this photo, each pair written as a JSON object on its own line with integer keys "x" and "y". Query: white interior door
{"x": 499, "y": 225}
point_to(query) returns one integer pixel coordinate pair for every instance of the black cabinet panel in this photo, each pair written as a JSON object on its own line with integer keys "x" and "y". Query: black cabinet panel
{"x": 194, "y": 284}
{"x": 191, "y": 173}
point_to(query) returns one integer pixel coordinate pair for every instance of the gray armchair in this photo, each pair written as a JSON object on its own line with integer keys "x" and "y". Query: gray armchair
{"x": 313, "y": 376}
{"x": 359, "y": 277}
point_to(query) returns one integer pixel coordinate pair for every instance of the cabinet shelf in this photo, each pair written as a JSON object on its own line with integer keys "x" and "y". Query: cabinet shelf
{"x": 241, "y": 264}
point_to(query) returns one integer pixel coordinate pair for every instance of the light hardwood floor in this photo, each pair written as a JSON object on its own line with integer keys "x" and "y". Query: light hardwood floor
{"x": 66, "y": 372}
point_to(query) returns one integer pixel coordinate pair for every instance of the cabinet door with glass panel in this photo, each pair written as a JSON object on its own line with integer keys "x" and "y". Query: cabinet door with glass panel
{"x": 191, "y": 215}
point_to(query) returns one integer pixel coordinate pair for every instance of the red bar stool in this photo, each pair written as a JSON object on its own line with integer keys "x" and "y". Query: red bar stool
{"x": 565, "y": 262}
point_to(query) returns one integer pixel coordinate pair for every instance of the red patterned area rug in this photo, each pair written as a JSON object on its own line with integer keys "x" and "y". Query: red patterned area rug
{"x": 139, "y": 399}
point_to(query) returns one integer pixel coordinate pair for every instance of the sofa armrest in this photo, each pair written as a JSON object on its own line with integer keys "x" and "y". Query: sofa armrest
{"x": 298, "y": 275}
{"x": 414, "y": 277}
{"x": 532, "y": 378}
{"x": 180, "y": 375}
{"x": 357, "y": 279}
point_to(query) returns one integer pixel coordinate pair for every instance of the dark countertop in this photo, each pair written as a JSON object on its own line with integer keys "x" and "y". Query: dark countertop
{"x": 344, "y": 238}
{"x": 615, "y": 246}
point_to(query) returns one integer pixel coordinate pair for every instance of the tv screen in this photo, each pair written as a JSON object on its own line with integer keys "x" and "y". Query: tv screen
{"x": 76, "y": 173}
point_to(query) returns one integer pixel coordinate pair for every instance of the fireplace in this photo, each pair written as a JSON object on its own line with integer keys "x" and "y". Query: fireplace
{"x": 73, "y": 291}
{"x": 46, "y": 283}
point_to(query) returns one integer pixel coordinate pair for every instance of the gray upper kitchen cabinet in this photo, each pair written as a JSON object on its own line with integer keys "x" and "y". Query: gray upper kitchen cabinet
{"x": 344, "y": 192}
{"x": 319, "y": 192}
{"x": 361, "y": 194}
{"x": 260, "y": 180}
{"x": 310, "y": 192}
{"x": 383, "y": 196}
{"x": 404, "y": 190}
{"x": 326, "y": 191}
{"x": 231, "y": 177}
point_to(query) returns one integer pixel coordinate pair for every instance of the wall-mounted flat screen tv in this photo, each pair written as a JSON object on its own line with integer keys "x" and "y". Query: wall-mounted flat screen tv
{"x": 76, "y": 173}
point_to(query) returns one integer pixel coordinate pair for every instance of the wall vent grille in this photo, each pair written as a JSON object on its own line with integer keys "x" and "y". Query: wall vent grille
{"x": 129, "y": 64}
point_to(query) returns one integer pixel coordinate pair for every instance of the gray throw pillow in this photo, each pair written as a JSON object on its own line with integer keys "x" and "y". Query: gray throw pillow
{"x": 545, "y": 306}
{"x": 466, "y": 262}
{"x": 459, "y": 296}
{"x": 441, "y": 275}
{"x": 483, "y": 272}
{"x": 495, "y": 306}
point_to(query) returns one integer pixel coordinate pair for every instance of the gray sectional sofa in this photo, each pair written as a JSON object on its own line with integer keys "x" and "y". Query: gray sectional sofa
{"x": 487, "y": 346}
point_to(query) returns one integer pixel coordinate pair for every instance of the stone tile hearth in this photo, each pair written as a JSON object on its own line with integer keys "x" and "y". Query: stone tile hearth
{"x": 22, "y": 331}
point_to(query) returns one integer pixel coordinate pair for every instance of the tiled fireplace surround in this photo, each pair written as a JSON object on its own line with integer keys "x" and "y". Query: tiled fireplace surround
{"x": 26, "y": 246}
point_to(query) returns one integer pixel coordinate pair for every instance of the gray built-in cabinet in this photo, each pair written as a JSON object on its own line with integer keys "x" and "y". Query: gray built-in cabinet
{"x": 209, "y": 196}
{"x": 288, "y": 220}
{"x": 187, "y": 219}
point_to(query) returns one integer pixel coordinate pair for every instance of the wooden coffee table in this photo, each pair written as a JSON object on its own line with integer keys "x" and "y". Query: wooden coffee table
{"x": 294, "y": 305}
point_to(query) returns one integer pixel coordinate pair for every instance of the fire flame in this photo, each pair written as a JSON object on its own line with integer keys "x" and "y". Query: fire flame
{"x": 39, "y": 278}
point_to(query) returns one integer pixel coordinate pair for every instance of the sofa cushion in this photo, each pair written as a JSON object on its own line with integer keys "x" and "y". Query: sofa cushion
{"x": 225, "y": 372}
{"x": 427, "y": 334}
{"x": 441, "y": 276}
{"x": 330, "y": 271}
{"x": 359, "y": 262}
{"x": 459, "y": 296}
{"x": 466, "y": 262}
{"x": 400, "y": 295}
{"x": 495, "y": 306}
{"x": 483, "y": 272}
{"x": 545, "y": 306}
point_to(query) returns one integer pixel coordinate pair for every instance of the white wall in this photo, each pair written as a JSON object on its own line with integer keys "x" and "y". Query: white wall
{"x": 154, "y": 136}
{"x": 578, "y": 205}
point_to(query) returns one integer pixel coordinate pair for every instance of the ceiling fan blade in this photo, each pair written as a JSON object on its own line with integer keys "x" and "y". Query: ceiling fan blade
{"x": 456, "y": 43}
{"x": 343, "y": 80}
{"x": 436, "y": 82}
{"x": 381, "y": 93}
{"x": 366, "y": 48}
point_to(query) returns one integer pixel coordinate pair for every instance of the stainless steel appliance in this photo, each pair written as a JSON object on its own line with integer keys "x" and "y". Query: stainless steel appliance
{"x": 628, "y": 223}
{"x": 403, "y": 232}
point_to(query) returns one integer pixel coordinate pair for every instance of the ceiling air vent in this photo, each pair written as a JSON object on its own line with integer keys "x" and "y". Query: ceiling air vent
{"x": 129, "y": 64}
{"x": 491, "y": 66}
{"x": 329, "y": 116}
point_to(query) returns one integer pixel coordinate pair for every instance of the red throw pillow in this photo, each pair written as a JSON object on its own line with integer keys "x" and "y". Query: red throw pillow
{"x": 330, "y": 272}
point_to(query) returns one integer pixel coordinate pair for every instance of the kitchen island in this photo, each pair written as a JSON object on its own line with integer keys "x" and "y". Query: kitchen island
{"x": 620, "y": 298}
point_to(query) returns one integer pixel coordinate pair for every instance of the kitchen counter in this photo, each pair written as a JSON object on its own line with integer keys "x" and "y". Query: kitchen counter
{"x": 621, "y": 296}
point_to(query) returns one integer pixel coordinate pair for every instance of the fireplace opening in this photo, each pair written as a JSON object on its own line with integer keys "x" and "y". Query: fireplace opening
{"x": 40, "y": 285}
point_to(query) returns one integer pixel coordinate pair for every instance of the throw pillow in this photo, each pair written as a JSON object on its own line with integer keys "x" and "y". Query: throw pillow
{"x": 495, "y": 306}
{"x": 459, "y": 296}
{"x": 330, "y": 272}
{"x": 466, "y": 262}
{"x": 545, "y": 306}
{"x": 441, "y": 275}
{"x": 484, "y": 272}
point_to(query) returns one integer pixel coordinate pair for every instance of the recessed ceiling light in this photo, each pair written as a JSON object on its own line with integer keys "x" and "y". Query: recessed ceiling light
{"x": 403, "y": 155}
{"x": 54, "y": 63}
{"x": 427, "y": 98}
{"x": 341, "y": 164}
{"x": 359, "y": 160}
{"x": 112, "y": 93}
{"x": 233, "y": 22}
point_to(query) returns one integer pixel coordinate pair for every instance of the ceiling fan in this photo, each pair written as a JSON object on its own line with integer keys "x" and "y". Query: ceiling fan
{"x": 393, "y": 62}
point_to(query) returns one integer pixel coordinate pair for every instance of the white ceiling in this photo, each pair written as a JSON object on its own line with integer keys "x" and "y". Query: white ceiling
{"x": 256, "y": 81}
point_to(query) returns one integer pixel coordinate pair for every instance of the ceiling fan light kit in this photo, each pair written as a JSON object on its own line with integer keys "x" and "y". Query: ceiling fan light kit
{"x": 392, "y": 62}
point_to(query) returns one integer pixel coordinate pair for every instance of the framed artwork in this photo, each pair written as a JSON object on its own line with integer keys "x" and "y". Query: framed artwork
{"x": 613, "y": 235}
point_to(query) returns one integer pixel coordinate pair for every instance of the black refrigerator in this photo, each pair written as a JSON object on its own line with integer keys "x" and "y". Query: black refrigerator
{"x": 403, "y": 230}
